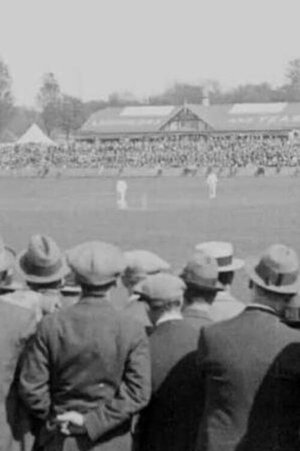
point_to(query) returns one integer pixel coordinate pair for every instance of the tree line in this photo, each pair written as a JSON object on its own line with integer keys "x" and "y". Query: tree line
{"x": 57, "y": 111}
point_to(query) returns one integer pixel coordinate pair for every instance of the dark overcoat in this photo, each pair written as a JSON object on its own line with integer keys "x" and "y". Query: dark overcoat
{"x": 17, "y": 324}
{"x": 171, "y": 420}
{"x": 94, "y": 360}
{"x": 251, "y": 366}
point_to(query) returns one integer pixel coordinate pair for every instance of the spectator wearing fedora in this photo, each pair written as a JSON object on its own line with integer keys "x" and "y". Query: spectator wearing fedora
{"x": 19, "y": 314}
{"x": 44, "y": 268}
{"x": 140, "y": 264}
{"x": 225, "y": 305}
{"x": 251, "y": 365}
{"x": 88, "y": 370}
{"x": 170, "y": 421}
{"x": 201, "y": 278}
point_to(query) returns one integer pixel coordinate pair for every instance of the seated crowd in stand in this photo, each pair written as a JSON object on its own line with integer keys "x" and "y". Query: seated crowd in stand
{"x": 168, "y": 152}
{"x": 107, "y": 350}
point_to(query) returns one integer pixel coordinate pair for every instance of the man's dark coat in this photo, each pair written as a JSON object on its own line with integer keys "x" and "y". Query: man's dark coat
{"x": 170, "y": 421}
{"x": 94, "y": 360}
{"x": 251, "y": 366}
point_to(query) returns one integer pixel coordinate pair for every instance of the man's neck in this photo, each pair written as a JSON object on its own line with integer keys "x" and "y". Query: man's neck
{"x": 201, "y": 306}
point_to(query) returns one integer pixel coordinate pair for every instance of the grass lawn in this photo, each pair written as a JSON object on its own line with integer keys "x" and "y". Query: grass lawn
{"x": 167, "y": 215}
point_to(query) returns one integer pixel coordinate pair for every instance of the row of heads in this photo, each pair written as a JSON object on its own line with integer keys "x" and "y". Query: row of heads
{"x": 97, "y": 264}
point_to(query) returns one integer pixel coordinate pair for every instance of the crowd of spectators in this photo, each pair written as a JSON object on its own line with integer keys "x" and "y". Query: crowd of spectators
{"x": 168, "y": 152}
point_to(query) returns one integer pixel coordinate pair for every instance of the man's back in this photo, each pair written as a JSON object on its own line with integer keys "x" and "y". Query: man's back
{"x": 251, "y": 366}
{"x": 88, "y": 343}
{"x": 17, "y": 324}
{"x": 225, "y": 306}
{"x": 170, "y": 422}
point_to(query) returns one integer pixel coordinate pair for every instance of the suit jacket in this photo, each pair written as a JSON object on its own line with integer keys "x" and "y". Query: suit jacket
{"x": 225, "y": 306}
{"x": 251, "y": 366}
{"x": 196, "y": 318}
{"x": 91, "y": 359}
{"x": 170, "y": 421}
{"x": 17, "y": 324}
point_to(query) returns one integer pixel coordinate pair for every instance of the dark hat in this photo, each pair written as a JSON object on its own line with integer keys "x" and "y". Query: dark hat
{"x": 160, "y": 289}
{"x": 96, "y": 263}
{"x": 42, "y": 262}
{"x": 201, "y": 271}
{"x": 277, "y": 270}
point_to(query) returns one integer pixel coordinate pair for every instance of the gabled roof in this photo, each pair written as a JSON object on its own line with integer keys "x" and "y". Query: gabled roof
{"x": 250, "y": 116}
{"x": 132, "y": 119}
{"x": 34, "y": 135}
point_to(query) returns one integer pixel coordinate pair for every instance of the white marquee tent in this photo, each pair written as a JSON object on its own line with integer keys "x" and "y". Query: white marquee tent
{"x": 34, "y": 135}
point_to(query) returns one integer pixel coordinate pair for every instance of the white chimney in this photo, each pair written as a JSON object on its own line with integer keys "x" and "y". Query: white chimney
{"x": 205, "y": 96}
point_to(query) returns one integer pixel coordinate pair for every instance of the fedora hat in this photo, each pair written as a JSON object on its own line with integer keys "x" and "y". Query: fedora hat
{"x": 96, "y": 263}
{"x": 201, "y": 271}
{"x": 42, "y": 262}
{"x": 140, "y": 263}
{"x": 277, "y": 270}
{"x": 222, "y": 251}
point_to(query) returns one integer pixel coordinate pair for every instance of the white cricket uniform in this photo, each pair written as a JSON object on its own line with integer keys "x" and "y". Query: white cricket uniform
{"x": 121, "y": 188}
{"x": 212, "y": 181}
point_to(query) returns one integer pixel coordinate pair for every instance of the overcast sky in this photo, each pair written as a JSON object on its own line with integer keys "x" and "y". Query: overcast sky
{"x": 98, "y": 46}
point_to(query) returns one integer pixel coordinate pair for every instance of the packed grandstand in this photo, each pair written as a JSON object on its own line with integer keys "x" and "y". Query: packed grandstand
{"x": 187, "y": 137}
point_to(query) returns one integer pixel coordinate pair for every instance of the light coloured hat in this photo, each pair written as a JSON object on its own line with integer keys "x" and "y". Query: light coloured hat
{"x": 95, "y": 263}
{"x": 140, "y": 263}
{"x": 201, "y": 271}
{"x": 42, "y": 262}
{"x": 222, "y": 251}
{"x": 160, "y": 289}
{"x": 277, "y": 270}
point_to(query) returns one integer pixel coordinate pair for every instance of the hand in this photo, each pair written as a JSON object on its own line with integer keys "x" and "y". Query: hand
{"x": 71, "y": 423}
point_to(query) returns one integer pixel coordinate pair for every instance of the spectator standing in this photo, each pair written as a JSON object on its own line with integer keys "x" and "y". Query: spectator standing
{"x": 170, "y": 421}
{"x": 18, "y": 320}
{"x": 88, "y": 369}
{"x": 44, "y": 268}
{"x": 251, "y": 365}
{"x": 201, "y": 278}
{"x": 225, "y": 305}
{"x": 140, "y": 264}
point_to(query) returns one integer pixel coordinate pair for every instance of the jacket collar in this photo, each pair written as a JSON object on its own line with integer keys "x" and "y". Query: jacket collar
{"x": 197, "y": 311}
{"x": 95, "y": 300}
{"x": 262, "y": 308}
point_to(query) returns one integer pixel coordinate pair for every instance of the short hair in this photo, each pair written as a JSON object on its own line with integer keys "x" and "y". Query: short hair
{"x": 226, "y": 277}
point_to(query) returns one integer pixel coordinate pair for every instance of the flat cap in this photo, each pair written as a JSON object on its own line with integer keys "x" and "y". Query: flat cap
{"x": 160, "y": 288}
{"x": 201, "y": 271}
{"x": 140, "y": 263}
{"x": 96, "y": 263}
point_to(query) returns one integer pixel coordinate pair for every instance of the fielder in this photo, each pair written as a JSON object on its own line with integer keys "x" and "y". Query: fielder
{"x": 212, "y": 182}
{"x": 121, "y": 188}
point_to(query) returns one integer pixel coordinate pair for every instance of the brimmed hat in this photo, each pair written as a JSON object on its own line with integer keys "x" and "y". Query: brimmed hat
{"x": 96, "y": 263}
{"x": 201, "y": 271}
{"x": 222, "y": 251}
{"x": 140, "y": 263}
{"x": 160, "y": 289}
{"x": 277, "y": 270}
{"x": 42, "y": 262}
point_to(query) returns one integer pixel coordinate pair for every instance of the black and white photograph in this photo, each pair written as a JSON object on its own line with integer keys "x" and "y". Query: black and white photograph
{"x": 149, "y": 225}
